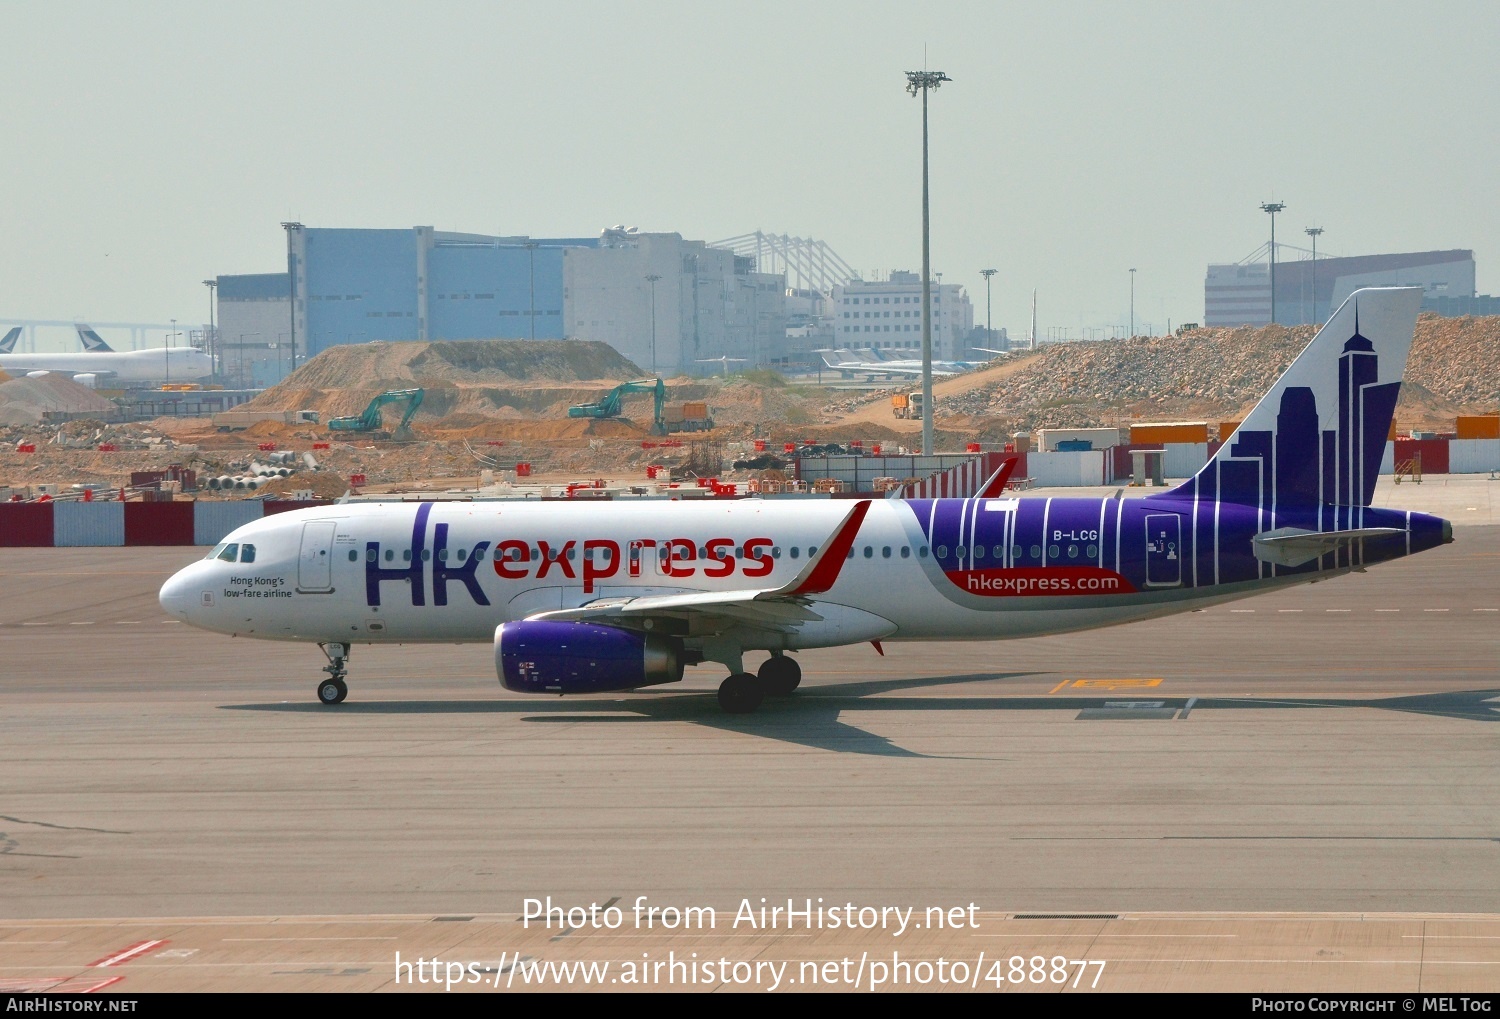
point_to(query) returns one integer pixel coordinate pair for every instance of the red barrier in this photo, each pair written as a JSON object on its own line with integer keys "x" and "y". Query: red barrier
{"x": 271, "y": 506}
{"x": 158, "y": 523}
{"x": 1434, "y": 453}
{"x": 25, "y": 524}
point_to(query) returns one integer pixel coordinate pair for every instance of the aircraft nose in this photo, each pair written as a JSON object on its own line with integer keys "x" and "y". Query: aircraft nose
{"x": 178, "y": 594}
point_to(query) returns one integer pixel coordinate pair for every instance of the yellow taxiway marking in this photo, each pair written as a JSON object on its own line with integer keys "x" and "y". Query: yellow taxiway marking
{"x": 1106, "y": 684}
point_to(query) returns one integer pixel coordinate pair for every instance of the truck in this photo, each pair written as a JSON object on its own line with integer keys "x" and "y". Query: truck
{"x": 236, "y": 420}
{"x": 691, "y": 416}
{"x": 907, "y": 406}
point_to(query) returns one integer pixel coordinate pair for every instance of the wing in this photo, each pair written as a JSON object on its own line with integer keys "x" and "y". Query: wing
{"x": 699, "y": 613}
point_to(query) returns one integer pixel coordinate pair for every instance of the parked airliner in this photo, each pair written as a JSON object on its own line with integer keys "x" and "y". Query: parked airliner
{"x": 100, "y": 364}
{"x": 581, "y": 598}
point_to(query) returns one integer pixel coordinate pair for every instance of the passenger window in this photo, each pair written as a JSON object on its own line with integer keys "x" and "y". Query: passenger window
{"x": 885, "y": 553}
{"x": 570, "y": 555}
{"x": 406, "y": 554}
{"x": 1052, "y": 551}
{"x": 442, "y": 555}
{"x": 462, "y": 554}
{"x": 775, "y": 552}
{"x": 1036, "y": 551}
{"x": 905, "y": 552}
{"x": 978, "y": 551}
{"x": 230, "y": 553}
{"x": 1072, "y": 551}
{"x": 1093, "y": 551}
{"x": 390, "y": 554}
{"x": 999, "y": 551}
{"x": 942, "y": 551}
{"x": 812, "y": 550}
{"x": 796, "y": 551}
{"x": 353, "y": 556}
{"x": 922, "y": 552}
{"x": 427, "y": 555}
{"x": 247, "y": 553}
{"x": 1015, "y": 551}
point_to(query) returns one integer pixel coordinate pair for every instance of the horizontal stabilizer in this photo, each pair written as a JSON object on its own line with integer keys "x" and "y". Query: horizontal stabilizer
{"x": 1293, "y": 546}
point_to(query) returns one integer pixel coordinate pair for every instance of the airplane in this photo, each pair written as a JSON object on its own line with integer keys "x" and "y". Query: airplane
{"x": 575, "y": 599}
{"x": 100, "y": 363}
{"x": 848, "y": 367}
{"x": 9, "y": 342}
{"x": 722, "y": 360}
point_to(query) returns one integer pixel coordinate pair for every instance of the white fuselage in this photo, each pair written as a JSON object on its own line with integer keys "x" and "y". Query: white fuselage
{"x": 361, "y": 573}
{"x": 157, "y": 364}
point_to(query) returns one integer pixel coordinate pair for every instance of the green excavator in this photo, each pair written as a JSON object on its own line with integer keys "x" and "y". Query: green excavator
{"x": 609, "y": 407}
{"x": 370, "y": 420}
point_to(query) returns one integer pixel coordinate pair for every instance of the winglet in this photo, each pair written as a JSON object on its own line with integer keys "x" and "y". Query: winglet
{"x": 994, "y": 488}
{"x": 821, "y": 574}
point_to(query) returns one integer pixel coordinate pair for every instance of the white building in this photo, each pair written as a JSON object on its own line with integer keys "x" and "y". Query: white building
{"x": 887, "y": 316}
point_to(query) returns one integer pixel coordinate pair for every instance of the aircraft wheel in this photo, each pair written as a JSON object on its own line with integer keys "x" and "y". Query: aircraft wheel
{"x": 740, "y": 694}
{"x": 332, "y": 691}
{"x": 779, "y": 675}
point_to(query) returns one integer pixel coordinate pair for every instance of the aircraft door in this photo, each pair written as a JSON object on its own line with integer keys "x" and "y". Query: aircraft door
{"x": 315, "y": 564}
{"x": 1163, "y": 550}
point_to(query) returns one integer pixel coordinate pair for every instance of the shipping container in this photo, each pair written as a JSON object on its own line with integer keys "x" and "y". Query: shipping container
{"x": 1169, "y": 431}
{"x": 1227, "y": 428}
{"x": 1047, "y": 439}
{"x": 1069, "y": 470}
{"x": 1478, "y": 426}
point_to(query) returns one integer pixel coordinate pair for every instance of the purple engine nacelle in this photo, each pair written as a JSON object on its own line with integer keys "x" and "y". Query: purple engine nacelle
{"x": 564, "y": 658}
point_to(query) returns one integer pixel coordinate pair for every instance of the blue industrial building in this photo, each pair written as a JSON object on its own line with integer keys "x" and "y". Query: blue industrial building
{"x": 661, "y": 301}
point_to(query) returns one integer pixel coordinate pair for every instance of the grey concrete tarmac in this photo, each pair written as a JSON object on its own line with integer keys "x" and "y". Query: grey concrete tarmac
{"x": 1325, "y": 754}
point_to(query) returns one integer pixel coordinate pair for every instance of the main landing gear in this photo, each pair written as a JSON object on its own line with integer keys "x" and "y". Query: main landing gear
{"x": 742, "y": 693}
{"x": 333, "y": 689}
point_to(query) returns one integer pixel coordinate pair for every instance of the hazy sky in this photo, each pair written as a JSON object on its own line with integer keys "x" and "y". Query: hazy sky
{"x": 145, "y": 147}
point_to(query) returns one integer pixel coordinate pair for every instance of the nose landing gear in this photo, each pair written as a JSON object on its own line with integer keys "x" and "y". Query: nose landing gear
{"x": 333, "y": 689}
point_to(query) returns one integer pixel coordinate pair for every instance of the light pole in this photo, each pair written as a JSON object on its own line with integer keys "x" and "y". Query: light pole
{"x": 212, "y": 332}
{"x": 291, "y": 272}
{"x": 1273, "y": 208}
{"x": 651, "y": 278}
{"x": 923, "y": 82}
{"x": 1132, "y": 304}
{"x": 531, "y": 248}
{"x": 1313, "y": 232}
{"x": 989, "y": 332}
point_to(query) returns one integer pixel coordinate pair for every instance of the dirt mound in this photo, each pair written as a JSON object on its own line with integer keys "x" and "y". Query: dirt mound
{"x": 24, "y": 401}
{"x": 322, "y": 484}
{"x": 381, "y": 366}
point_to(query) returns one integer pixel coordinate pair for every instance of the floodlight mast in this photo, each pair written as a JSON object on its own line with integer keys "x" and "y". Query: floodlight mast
{"x": 1273, "y": 208}
{"x": 923, "y": 82}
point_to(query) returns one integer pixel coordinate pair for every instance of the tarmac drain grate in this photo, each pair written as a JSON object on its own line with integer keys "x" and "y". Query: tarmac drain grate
{"x": 1127, "y": 709}
{"x": 1065, "y": 916}
{"x": 451, "y": 919}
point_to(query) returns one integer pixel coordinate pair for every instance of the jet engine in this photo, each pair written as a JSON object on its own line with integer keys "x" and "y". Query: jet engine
{"x": 543, "y": 656}
{"x": 86, "y": 379}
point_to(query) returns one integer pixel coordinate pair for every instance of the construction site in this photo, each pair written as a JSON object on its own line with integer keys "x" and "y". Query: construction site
{"x": 567, "y": 418}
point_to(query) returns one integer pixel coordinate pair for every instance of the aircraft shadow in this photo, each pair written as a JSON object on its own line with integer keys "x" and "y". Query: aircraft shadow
{"x": 811, "y": 717}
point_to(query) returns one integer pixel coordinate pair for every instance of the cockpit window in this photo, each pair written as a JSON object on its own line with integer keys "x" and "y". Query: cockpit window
{"x": 247, "y": 553}
{"x": 217, "y": 549}
{"x": 229, "y": 551}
